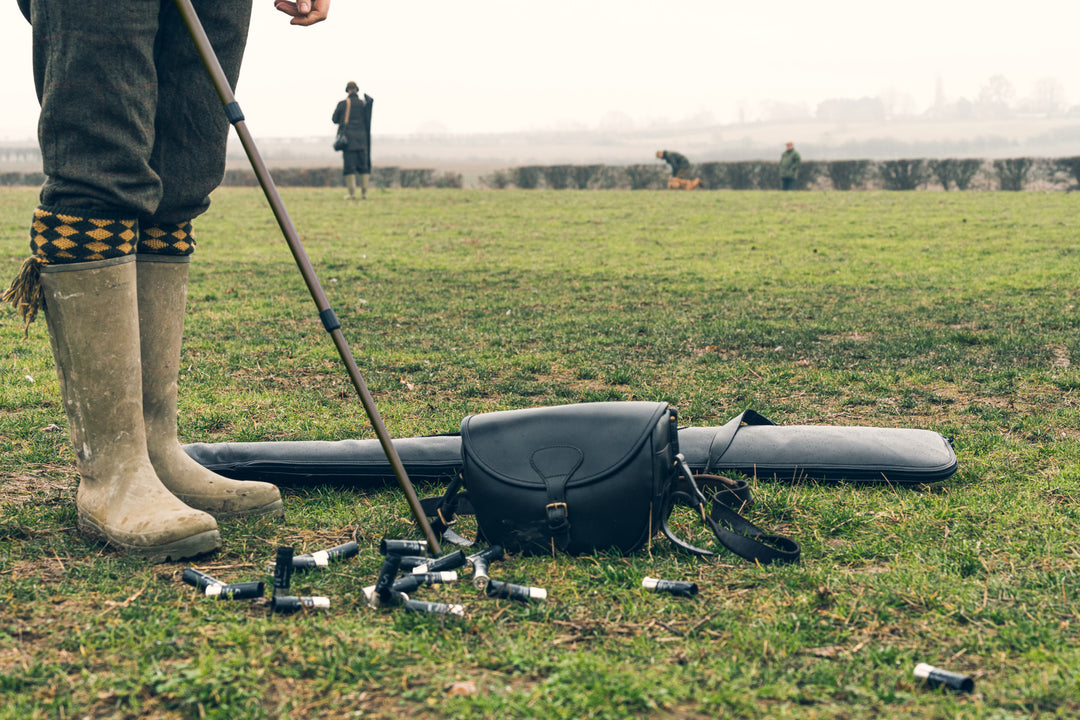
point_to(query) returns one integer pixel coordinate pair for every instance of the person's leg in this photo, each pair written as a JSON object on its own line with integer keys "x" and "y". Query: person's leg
{"x": 189, "y": 156}
{"x": 98, "y": 66}
{"x": 95, "y": 78}
{"x": 83, "y": 274}
{"x": 162, "y": 297}
{"x": 351, "y": 168}
{"x": 191, "y": 129}
{"x": 364, "y": 170}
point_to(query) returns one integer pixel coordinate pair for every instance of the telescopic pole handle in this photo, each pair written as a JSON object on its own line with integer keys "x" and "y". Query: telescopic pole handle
{"x": 326, "y": 314}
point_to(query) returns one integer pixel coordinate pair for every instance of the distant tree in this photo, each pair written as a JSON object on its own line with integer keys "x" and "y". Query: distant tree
{"x": 30, "y": 179}
{"x": 645, "y": 177}
{"x": 240, "y": 178}
{"x": 1047, "y": 98}
{"x": 902, "y": 174}
{"x": 498, "y": 180}
{"x": 965, "y": 171}
{"x": 527, "y": 177}
{"x": 996, "y": 97}
{"x": 809, "y": 172}
{"x": 945, "y": 171}
{"x": 1013, "y": 173}
{"x": 743, "y": 175}
{"x": 712, "y": 175}
{"x": 1070, "y": 167}
{"x": 557, "y": 177}
{"x": 449, "y": 180}
{"x": 609, "y": 177}
{"x": 386, "y": 177}
{"x": 847, "y": 174}
{"x": 416, "y": 177}
{"x": 583, "y": 175}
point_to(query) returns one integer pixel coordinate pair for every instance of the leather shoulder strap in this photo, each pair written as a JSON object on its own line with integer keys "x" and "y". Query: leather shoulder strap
{"x": 731, "y": 529}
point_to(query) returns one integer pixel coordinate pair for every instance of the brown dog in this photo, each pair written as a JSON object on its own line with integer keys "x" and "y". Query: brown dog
{"x": 676, "y": 183}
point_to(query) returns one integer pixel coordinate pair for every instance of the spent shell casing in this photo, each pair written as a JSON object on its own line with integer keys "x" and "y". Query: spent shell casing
{"x": 323, "y": 558}
{"x": 452, "y": 561}
{"x": 199, "y": 579}
{"x": 936, "y": 677}
{"x": 491, "y": 554}
{"x": 480, "y": 572}
{"x": 235, "y": 591}
{"x": 387, "y": 575}
{"x": 408, "y": 562}
{"x": 672, "y": 587}
{"x": 393, "y": 598}
{"x": 389, "y": 546}
{"x": 283, "y": 569}
{"x": 510, "y": 591}
{"x": 408, "y": 583}
{"x": 434, "y": 607}
{"x": 293, "y": 603}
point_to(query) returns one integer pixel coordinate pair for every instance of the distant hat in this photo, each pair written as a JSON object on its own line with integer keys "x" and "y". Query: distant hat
{"x": 351, "y": 87}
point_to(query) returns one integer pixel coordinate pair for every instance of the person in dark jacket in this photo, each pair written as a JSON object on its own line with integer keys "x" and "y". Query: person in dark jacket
{"x": 789, "y": 167}
{"x": 357, "y": 155}
{"x": 678, "y": 162}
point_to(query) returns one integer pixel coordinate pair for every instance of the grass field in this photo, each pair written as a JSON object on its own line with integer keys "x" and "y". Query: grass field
{"x": 953, "y": 312}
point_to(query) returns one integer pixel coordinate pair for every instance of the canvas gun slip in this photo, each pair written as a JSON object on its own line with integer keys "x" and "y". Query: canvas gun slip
{"x": 326, "y": 313}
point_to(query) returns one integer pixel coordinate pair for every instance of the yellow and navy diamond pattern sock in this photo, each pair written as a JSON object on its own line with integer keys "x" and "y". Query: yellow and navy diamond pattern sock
{"x": 63, "y": 237}
{"x": 166, "y": 238}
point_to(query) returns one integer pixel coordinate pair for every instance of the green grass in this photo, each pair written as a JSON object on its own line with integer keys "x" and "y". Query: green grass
{"x": 954, "y": 312}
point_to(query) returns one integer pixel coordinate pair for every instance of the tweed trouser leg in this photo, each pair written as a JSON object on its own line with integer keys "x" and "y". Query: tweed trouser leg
{"x": 130, "y": 123}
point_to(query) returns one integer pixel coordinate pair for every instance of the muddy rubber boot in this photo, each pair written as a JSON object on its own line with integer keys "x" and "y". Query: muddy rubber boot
{"x": 365, "y": 181}
{"x": 92, "y": 314}
{"x": 162, "y": 292}
{"x": 350, "y": 184}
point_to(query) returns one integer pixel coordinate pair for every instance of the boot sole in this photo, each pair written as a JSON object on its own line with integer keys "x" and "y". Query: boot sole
{"x": 189, "y": 547}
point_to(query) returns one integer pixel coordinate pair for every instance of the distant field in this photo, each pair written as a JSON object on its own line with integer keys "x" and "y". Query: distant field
{"x": 953, "y": 312}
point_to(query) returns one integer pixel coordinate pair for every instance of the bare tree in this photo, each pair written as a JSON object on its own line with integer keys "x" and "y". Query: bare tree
{"x": 1013, "y": 173}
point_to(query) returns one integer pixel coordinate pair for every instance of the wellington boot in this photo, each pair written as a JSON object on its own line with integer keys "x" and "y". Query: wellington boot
{"x": 350, "y": 185}
{"x": 162, "y": 291}
{"x": 91, "y": 312}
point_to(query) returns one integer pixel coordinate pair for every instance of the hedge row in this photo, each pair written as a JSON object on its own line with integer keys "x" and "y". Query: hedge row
{"x": 950, "y": 174}
{"x": 910, "y": 174}
{"x": 382, "y": 177}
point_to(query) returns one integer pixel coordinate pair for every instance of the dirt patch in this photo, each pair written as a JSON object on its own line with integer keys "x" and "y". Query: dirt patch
{"x": 53, "y": 481}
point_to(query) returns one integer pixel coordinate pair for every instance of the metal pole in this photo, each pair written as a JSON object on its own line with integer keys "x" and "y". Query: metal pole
{"x": 326, "y": 313}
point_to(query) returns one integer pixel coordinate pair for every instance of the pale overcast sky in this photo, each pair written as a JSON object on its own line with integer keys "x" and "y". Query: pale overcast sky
{"x": 503, "y": 65}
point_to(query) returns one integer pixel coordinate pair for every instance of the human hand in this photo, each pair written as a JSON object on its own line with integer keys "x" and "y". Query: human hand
{"x": 304, "y": 12}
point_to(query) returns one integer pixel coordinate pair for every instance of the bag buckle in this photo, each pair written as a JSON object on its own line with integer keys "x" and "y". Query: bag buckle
{"x": 555, "y": 506}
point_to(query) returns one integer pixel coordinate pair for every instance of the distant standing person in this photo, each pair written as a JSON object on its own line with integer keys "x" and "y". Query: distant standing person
{"x": 354, "y": 115}
{"x": 789, "y": 167}
{"x": 678, "y": 162}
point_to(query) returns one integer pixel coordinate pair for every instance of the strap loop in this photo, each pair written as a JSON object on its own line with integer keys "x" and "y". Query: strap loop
{"x": 734, "y": 532}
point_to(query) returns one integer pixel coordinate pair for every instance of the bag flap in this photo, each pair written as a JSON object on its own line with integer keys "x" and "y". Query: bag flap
{"x": 581, "y": 442}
